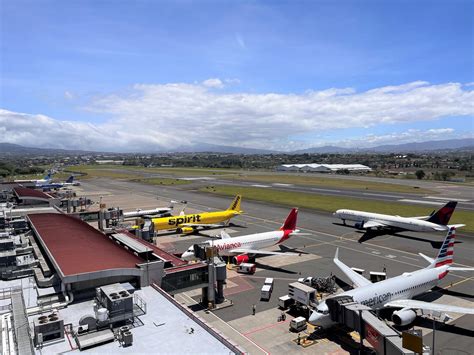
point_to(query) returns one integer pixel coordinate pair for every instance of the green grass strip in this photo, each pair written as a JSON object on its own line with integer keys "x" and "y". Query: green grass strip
{"x": 333, "y": 203}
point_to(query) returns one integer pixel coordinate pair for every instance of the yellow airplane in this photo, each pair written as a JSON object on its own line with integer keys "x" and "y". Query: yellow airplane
{"x": 187, "y": 223}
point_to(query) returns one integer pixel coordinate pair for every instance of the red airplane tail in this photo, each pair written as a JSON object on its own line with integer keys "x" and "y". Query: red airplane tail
{"x": 290, "y": 222}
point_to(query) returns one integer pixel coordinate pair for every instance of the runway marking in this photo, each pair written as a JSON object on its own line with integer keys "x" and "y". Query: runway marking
{"x": 316, "y": 189}
{"x": 381, "y": 195}
{"x": 264, "y": 186}
{"x": 422, "y": 202}
{"x": 459, "y": 282}
{"x": 268, "y": 326}
{"x": 284, "y": 185}
{"x": 447, "y": 198}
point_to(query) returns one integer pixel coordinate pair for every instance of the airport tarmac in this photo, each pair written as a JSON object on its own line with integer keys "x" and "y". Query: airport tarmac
{"x": 397, "y": 253}
{"x": 442, "y": 191}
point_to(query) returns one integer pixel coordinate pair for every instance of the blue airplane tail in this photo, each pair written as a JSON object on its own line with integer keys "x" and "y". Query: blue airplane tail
{"x": 70, "y": 179}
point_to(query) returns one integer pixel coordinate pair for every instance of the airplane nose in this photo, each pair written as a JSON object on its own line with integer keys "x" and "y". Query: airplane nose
{"x": 313, "y": 318}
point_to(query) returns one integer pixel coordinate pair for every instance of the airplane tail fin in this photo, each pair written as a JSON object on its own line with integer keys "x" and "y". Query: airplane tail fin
{"x": 443, "y": 215}
{"x": 290, "y": 222}
{"x": 70, "y": 179}
{"x": 445, "y": 254}
{"x": 48, "y": 176}
{"x": 235, "y": 205}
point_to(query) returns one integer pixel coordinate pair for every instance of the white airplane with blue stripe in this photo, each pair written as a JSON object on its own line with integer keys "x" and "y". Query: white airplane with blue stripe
{"x": 397, "y": 292}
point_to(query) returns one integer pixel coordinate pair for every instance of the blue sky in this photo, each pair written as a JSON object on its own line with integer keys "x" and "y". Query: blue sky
{"x": 104, "y": 66}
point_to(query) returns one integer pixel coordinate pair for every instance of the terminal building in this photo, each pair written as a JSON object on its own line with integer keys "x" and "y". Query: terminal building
{"x": 323, "y": 168}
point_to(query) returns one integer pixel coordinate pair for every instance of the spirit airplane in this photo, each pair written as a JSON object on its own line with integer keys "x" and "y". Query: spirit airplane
{"x": 188, "y": 223}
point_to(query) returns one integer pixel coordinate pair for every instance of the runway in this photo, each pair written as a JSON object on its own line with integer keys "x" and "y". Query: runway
{"x": 442, "y": 191}
{"x": 397, "y": 253}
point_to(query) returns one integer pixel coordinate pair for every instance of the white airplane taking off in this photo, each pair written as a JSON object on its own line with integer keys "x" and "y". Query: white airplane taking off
{"x": 437, "y": 221}
{"x": 398, "y": 291}
{"x": 252, "y": 244}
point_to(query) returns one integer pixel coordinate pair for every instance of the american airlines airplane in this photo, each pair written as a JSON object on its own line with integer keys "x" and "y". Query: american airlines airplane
{"x": 398, "y": 291}
{"x": 252, "y": 244}
{"x": 366, "y": 220}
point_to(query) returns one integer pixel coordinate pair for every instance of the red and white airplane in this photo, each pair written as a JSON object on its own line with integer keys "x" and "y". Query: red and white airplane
{"x": 241, "y": 247}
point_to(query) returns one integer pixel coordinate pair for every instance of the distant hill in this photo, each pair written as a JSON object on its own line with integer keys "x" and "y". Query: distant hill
{"x": 212, "y": 148}
{"x": 16, "y": 149}
{"x": 467, "y": 143}
{"x": 448, "y": 144}
{"x": 327, "y": 149}
{"x": 442, "y": 145}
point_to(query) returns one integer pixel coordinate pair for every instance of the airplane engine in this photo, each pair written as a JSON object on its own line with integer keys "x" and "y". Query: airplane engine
{"x": 359, "y": 225}
{"x": 403, "y": 317}
{"x": 239, "y": 259}
{"x": 185, "y": 230}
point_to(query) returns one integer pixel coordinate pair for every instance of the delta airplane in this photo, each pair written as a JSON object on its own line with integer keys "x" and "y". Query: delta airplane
{"x": 398, "y": 291}
{"x": 188, "y": 223}
{"x": 252, "y": 244}
{"x": 437, "y": 221}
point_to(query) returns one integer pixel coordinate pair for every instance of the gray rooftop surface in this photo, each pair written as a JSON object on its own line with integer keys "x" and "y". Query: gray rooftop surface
{"x": 173, "y": 337}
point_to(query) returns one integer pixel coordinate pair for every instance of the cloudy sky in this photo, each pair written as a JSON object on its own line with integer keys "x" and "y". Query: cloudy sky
{"x": 281, "y": 75}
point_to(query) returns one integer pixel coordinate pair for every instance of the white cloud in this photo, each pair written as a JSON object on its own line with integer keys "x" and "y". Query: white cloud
{"x": 213, "y": 83}
{"x": 240, "y": 41}
{"x": 170, "y": 115}
{"x": 68, "y": 95}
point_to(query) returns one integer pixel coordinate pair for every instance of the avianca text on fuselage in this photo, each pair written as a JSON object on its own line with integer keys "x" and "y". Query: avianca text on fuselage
{"x": 228, "y": 246}
{"x": 176, "y": 221}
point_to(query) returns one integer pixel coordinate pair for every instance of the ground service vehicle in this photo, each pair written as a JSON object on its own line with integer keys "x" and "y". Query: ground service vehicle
{"x": 298, "y": 324}
{"x": 266, "y": 292}
{"x": 247, "y": 268}
{"x": 285, "y": 301}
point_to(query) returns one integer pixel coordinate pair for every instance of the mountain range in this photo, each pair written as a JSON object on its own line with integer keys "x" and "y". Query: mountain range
{"x": 428, "y": 146}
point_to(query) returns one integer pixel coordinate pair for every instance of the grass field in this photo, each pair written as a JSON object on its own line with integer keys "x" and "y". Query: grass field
{"x": 91, "y": 169}
{"x": 332, "y": 203}
{"x": 320, "y": 181}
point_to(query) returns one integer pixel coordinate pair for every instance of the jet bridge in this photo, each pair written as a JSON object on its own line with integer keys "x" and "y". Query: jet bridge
{"x": 384, "y": 339}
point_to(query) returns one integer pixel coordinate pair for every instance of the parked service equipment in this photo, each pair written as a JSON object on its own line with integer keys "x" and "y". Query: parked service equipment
{"x": 285, "y": 301}
{"x": 266, "y": 292}
{"x": 247, "y": 268}
{"x": 302, "y": 294}
{"x": 298, "y": 324}
{"x": 269, "y": 282}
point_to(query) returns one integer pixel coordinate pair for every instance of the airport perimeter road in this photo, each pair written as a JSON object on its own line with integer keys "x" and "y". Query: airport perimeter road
{"x": 396, "y": 253}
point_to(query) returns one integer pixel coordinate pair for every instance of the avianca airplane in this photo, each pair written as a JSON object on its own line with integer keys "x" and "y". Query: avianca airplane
{"x": 252, "y": 244}
{"x": 187, "y": 223}
{"x": 398, "y": 291}
{"x": 437, "y": 221}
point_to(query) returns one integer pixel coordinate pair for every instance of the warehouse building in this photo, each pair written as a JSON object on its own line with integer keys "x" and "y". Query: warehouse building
{"x": 324, "y": 168}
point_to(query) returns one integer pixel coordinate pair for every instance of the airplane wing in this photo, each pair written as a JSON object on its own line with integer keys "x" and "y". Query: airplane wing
{"x": 375, "y": 224}
{"x": 356, "y": 278}
{"x": 257, "y": 251}
{"x": 428, "y": 306}
{"x": 194, "y": 225}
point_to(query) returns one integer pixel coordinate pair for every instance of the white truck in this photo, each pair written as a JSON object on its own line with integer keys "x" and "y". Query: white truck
{"x": 302, "y": 294}
{"x": 247, "y": 268}
{"x": 269, "y": 282}
{"x": 285, "y": 301}
{"x": 298, "y": 324}
{"x": 266, "y": 292}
